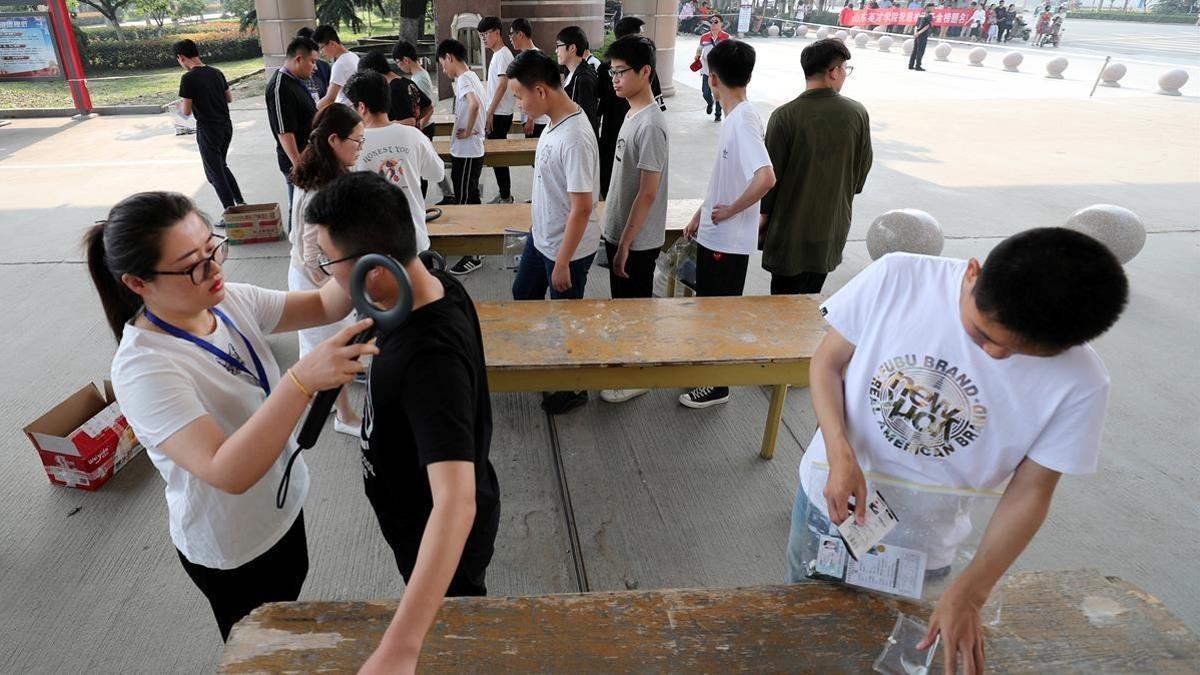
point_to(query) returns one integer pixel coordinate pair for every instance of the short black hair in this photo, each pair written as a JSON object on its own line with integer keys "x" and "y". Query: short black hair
{"x": 822, "y": 55}
{"x": 733, "y": 62}
{"x": 715, "y": 17}
{"x": 364, "y": 213}
{"x": 489, "y": 23}
{"x": 533, "y": 67}
{"x": 404, "y": 50}
{"x": 186, "y": 48}
{"x": 375, "y": 61}
{"x": 305, "y": 31}
{"x": 325, "y": 34}
{"x": 630, "y": 25}
{"x": 521, "y": 26}
{"x": 371, "y": 89}
{"x": 452, "y": 47}
{"x": 636, "y": 51}
{"x": 573, "y": 36}
{"x": 1055, "y": 288}
{"x": 301, "y": 46}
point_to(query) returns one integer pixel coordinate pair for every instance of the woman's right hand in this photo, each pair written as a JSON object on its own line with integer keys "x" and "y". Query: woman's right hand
{"x": 334, "y": 362}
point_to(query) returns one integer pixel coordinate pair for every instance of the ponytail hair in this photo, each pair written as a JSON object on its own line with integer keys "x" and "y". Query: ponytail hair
{"x": 129, "y": 242}
{"x": 318, "y": 162}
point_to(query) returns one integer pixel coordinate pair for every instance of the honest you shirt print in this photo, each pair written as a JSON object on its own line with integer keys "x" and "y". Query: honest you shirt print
{"x": 925, "y": 406}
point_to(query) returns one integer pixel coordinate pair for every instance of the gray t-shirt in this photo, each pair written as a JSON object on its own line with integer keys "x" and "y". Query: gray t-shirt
{"x": 643, "y": 144}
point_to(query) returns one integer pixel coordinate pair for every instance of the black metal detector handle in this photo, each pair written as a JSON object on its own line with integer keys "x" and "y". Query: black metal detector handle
{"x": 383, "y": 320}
{"x": 433, "y": 260}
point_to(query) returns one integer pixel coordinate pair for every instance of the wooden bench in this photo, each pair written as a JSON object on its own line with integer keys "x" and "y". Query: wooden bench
{"x": 559, "y": 345}
{"x": 443, "y": 125}
{"x": 498, "y": 151}
{"x": 1078, "y": 621}
{"x": 479, "y": 229}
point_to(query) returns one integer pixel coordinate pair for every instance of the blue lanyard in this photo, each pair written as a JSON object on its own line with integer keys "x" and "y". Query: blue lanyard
{"x": 217, "y": 351}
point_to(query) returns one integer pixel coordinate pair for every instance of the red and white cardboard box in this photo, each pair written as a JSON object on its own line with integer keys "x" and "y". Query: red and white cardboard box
{"x": 85, "y": 439}
{"x": 253, "y": 223}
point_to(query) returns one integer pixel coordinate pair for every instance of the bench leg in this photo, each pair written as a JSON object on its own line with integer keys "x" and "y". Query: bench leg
{"x": 774, "y": 416}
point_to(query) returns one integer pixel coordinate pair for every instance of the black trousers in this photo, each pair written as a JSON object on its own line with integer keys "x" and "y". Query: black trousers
{"x": 608, "y": 151}
{"x": 429, "y": 131}
{"x": 799, "y": 284}
{"x": 639, "y": 267}
{"x": 214, "y": 148}
{"x": 275, "y": 576}
{"x": 719, "y": 274}
{"x": 918, "y": 51}
{"x": 464, "y": 172}
{"x": 537, "y": 131}
{"x": 501, "y": 124}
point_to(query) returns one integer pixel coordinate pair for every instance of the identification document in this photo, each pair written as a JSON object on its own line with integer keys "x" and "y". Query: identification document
{"x": 880, "y": 520}
{"x": 890, "y": 569}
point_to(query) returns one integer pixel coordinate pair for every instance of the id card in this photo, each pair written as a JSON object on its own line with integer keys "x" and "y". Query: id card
{"x": 890, "y": 569}
{"x": 831, "y": 557}
{"x": 880, "y": 520}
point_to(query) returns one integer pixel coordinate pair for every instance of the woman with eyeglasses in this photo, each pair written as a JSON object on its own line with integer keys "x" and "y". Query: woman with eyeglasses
{"x": 332, "y": 150}
{"x": 200, "y": 387}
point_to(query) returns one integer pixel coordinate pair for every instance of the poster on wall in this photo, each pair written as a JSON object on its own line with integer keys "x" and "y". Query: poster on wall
{"x": 744, "y": 16}
{"x": 27, "y": 50}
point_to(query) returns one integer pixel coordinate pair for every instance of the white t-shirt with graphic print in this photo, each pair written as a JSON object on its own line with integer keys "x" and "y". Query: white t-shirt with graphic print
{"x": 403, "y": 155}
{"x": 926, "y": 405}
{"x": 164, "y": 383}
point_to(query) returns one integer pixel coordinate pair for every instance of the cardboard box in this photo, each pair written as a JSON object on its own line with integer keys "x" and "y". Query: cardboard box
{"x": 253, "y": 223}
{"x": 85, "y": 439}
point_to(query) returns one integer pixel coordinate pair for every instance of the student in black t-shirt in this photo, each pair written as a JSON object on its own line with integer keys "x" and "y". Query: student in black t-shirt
{"x": 290, "y": 106}
{"x": 409, "y": 105}
{"x": 318, "y": 84}
{"x": 427, "y": 423}
{"x": 204, "y": 93}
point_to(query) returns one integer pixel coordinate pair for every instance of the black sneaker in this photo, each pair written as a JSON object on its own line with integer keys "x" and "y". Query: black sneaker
{"x": 717, "y": 118}
{"x": 704, "y": 397}
{"x": 919, "y": 68}
{"x": 708, "y": 110}
{"x": 559, "y": 402}
{"x": 466, "y": 265}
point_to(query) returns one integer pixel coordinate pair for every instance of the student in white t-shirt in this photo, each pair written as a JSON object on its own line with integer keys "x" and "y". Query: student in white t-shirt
{"x": 405, "y": 56}
{"x": 500, "y": 101}
{"x": 200, "y": 387}
{"x": 466, "y": 147}
{"x": 948, "y": 374}
{"x": 725, "y": 226}
{"x": 397, "y": 152}
{"x": 345, "y": 64}
{"x": 565, "y": 232}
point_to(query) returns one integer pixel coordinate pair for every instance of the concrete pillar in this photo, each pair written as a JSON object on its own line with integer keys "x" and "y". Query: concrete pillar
{"x": 278, "y": 21}
{"x": 662, "y": 24}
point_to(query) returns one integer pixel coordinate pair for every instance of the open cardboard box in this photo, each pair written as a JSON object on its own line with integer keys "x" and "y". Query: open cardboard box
{"x": 85, "y": 439}
{"x": 253, "y": 223}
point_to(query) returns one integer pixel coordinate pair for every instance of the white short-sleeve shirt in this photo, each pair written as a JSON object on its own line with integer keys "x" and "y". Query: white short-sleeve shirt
{"x": 466, "y": 85}
{"x": 497, "y": 69}
{"x": 740, "y": 152}
{"x": 567, "y": 161}
{"x": 343, "y": 67}
{"x": 403, "y": 156}
{"x": 165, "y": 383}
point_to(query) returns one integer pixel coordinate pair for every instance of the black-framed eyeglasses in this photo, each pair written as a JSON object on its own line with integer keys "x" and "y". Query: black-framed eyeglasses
{"x": 617, "y": 73}
{"x": 360, "y": 141}
{"x": 848, "y": 69}
{"x": 559, "y": 44}
{"x": 201, "y": 271}
{"x": 324, "y": 263}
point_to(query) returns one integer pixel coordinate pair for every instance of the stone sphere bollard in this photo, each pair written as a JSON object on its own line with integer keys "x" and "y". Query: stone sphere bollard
{"x": 908, "y": 45}
{"x": 904, "y": 230}
{"x": 801, "y": 31}
{"x": 842, "y": 35}
{"x": 1111, "y": 77}
{"x": 885, "y": 43}
{"x": 773, "y": 31}
{"x": 1116, "y": 227}
{"x": 1012, "y": 60}
{"x": 861, "y": 40}
{"x": 942, "y": 52}
{"x": 977, "y": 56}
{"x": 1170, "y": 82}
{"x": 823, "y": 32}
{"x": 1055, "y": 67}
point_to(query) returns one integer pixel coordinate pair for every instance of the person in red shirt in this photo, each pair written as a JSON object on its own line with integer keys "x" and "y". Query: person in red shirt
{"x": 712, "y": 38}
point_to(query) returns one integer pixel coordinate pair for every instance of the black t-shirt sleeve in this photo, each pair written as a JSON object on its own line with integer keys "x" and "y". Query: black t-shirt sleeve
{"x": 438, "y": 396}
{"x": 186, "y": 87}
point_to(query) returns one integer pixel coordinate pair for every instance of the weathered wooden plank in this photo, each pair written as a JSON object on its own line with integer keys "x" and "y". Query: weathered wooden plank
{"x": 1077, "y": 621}
{"x": 498, "y": 151}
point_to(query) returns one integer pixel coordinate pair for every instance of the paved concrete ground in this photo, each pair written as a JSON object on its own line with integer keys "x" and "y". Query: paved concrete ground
{"x": 1152, "y": 41}
{"x": 659, "y": 496}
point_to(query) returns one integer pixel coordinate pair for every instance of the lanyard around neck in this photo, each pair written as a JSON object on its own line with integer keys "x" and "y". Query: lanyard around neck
{"x": 217, "y": 351}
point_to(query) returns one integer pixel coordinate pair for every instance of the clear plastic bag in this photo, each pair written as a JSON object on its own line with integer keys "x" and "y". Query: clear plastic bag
{"x": 514, "y": 246}
{"x": 678, "y": 263}
{"x": 900, "y": 655}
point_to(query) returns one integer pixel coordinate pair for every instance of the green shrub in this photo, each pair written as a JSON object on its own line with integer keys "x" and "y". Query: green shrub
{"x": 1133, "y": 16}
{"x": 823, "y": 18}
{"x": 146, "y": 54}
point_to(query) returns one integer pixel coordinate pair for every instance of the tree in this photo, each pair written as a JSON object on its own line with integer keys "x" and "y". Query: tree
{"x": 343, "y": 12}
{"x": 111, "y": 10}
{"x": 182, "y": 9}
{"x": 238, "y": 8}
{"x": 157, "y": 11}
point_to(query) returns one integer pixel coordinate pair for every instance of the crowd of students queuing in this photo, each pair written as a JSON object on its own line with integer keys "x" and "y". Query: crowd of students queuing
{"x": 202, "y": 389}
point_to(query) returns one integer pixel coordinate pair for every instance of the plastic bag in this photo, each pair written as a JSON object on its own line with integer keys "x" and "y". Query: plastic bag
{"x": 679, "y": 263}
{"x": 900, "y": 655}
{"x": 514, "y": 246}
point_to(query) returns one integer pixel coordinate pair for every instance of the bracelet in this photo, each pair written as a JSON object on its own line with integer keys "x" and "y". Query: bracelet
{"x": 299, "y": 385}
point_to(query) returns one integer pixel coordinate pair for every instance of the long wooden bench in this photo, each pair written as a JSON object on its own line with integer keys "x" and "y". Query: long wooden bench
{"x": 443, "y": 125}
{"x": 479, "y": 229}
{"x": 653, "y": 343}
{"x": 1077, "y": 621}
{"x": 498, "y": 151}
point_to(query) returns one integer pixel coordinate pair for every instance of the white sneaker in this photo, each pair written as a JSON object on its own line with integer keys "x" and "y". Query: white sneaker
{"x": 343, "y": 428}
{"x": 621, "y": 395}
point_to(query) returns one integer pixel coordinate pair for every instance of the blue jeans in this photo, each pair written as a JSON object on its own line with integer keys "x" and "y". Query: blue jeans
{"x": 708, "y": 95}
{"x": 533, "y": 275}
